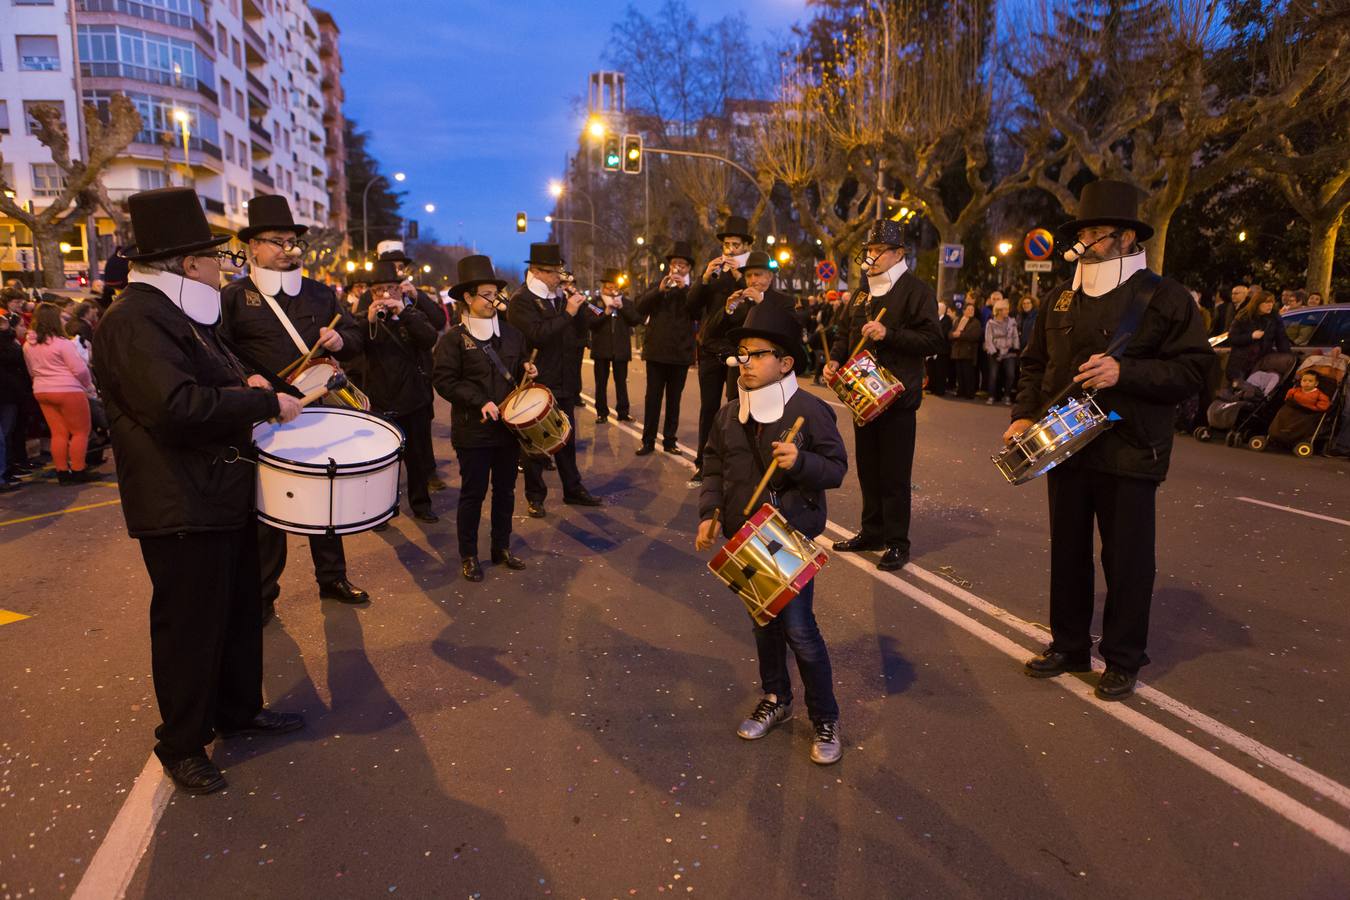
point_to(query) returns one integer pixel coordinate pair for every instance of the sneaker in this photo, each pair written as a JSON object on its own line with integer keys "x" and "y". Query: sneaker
{"x": 768, "y": 715}
{"x": 825, "y": 746}
{"x": 696, "y": 481}
{"x": 989, "y": 402}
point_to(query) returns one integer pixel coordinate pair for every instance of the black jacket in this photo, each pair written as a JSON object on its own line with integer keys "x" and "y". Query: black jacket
{"x": 15, "y": 383}
{"x": 558, "y": 337}
{"x": 176, "y": 402}
{"x": 612, "y": 331}
{"x": 709, "y": 303}
{"x": 396, "y": 370}
{"x": 466, "y": 377}
{"x": 912, "y": 333}
{"x": 670, "y": 325}
{"x": 1164, "y": 363}
{"x": 1248, "y": 350}
{"x": 249, "y": 325}
{"x": 731, "y": 470}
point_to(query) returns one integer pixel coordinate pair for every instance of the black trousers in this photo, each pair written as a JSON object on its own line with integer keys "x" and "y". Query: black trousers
{"x": 938, "y": 370}
{"x": 884, "y": 450}
{"x": 1124, "y": 512}
{"x": 419, "y": 461}
{"x": 536, "y": 491}
{"x": 715, "y": 380}
{"x": 330, "y": 562}
{"x": 602, "y": 369}
{"x": 967, "y": 378}
{"x": 479, "y": 466}
{"x": 205, "y": 635}
{"x": 664, "y": 380}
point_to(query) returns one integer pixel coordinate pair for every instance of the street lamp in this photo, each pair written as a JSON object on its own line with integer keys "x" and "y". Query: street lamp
{"x": 1004, "y": 248}
{"x": 65, "y": 247}
{"x": 430, "y": 207}
{"x": 365, "y": 219}
{"x": 426, "y": 270}
{"x": 771, "y": 240}
{"x": 369, "y": 265}
{"x": 351, "y": 266}
{"x": 641, "y": 240}
{"x": 555, "y": 188}
{"x": 1242, "y": 236}
{"x": 596, "y": 127}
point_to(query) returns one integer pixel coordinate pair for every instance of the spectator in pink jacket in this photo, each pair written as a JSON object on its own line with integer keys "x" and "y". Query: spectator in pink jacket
{"x": 62, "y": 386}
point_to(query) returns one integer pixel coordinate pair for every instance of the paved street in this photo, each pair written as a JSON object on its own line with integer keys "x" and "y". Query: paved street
{"x": 569, "y": 730}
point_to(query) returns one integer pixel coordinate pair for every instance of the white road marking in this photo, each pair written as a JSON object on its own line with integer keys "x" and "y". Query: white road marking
{"x": 117, "y": 858}
{"x": 1297, "y": 512}
{"x": 1275, "y": 800}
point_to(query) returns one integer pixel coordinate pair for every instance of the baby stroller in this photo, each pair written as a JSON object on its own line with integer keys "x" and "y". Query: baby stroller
{"x": 1298, "y": 427}
{"x": 1247, "y": 406}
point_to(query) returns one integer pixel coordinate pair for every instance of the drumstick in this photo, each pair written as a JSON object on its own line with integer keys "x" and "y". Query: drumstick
{"x": 825, "y": 345}
{"x": 533, "y": 355}
{"x": 299, "y": 363}
{"x": 862, "y": 341}
{"x": 773, "y": 466}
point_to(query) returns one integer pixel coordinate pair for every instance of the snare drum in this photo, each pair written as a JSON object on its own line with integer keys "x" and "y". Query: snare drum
{"x": 767, "y": 563}
{"x": 1063, "y": 431}
{"x": 316, "y": 374}
{"x": 329, "y": 471}
{"x": 532, "y": 414}
{"x": 865, "y": 386}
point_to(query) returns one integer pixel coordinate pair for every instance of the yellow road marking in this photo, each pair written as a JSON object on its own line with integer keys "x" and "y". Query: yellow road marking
{"x": 6, "y": 617}
{"x": 60, "y": 512}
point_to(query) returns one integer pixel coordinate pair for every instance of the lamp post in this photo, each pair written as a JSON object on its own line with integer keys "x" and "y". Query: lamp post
{"x": 558, "y": 189}
{"x": 365, "y": 219}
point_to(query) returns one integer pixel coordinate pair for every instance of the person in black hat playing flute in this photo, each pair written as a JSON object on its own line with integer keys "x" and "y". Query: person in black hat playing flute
{"x": 612, "y": 346}
{"x": 747, "y": 433}
{"x": 181, "y": 408}
{"x": 273, "y": 317}
{"x": 1113, "y": 481}
{"x": 668, "y": 349}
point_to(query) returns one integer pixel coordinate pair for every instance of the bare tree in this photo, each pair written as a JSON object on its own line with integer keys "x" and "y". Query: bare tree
{"x": 82, "y": 189}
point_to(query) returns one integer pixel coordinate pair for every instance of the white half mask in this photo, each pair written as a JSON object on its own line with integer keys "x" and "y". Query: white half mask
{"x": 538, "y": 288}
{"x": 199, "y": 302}
{"x": 878, "y": 285}
{"x": 766, "y": 404}
{"x": 271, "y": 282}
{"x": 483, "y": 329}
{"x": 1099, "y": 278}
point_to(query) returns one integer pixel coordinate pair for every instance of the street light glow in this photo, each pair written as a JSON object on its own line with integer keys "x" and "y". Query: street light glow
{"x": 426, "y": 269}
{"x": 181, "y": 116}
{"x": 548, "y": 220}
{"x": 399, "y": 176}
{"x": 1004, "y": 248}
{"x": 641, "y": 240}
{"x": 65, "y": 247}
{"x": 1242, "y": 235}
{"x": 351, "y": 266}
{"x": 369, "y": 265}
{"x": 555, "y": 188}
{"x": 993, "y": 260}
{"x": 430, "y": 207}
{"x": 771, "y": 240}
{"x": 596, "y": 127}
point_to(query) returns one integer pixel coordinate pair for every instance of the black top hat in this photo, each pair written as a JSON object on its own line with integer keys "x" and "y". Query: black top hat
{"x": 392, "y": 251}
{"x": 757, "y": 259}
{"x": 169, "y": 222}
{"x": 471, "y": 271}
{"x": 775, "y": 324}
{"x": 681, "y": 250}
{"x": 383, "y": 271}
{"x": 270, "y": 212}
{"x": 116, "y": 269}
{"x": 885, "y": 231}
{"x": 1107, "y": 202}
{"x": 545, "y": 255}
{"x": 735, "y": 226}
{"x": 359, "y": 275}
{"x": 611, "y": 275}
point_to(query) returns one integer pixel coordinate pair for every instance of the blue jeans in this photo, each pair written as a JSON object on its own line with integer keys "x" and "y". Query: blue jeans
{"x": 9, "y": 416}
{"x": 1000, "y": 377}
{"x": 795, "y": 627}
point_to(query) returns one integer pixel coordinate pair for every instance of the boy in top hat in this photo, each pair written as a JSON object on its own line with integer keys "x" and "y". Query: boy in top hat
{"x": 272, "y": 317}
{"x": 612, "y": 346}
{"x": 747, "y": 433}
{"x": 178, "y": 403}
{"x": 478, "y": 363}
{"x": 555, "y": 325}
{"x": 906, "y": 333}
{"x": 1113, "y": 481}
{"x": 668, "y": 349}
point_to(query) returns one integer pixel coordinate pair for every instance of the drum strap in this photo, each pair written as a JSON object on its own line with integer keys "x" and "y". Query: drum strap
{"x": 486, "y": 347}
{"x": 1133, "y": 316}
{"x": 286, "y": 323}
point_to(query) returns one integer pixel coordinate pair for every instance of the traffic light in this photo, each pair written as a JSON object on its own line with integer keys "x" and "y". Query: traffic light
{"x": 632, "y": 154}
{"x": 611, "y": 153}
{"x": 412, "y": 229}
{"x": 521, "y": 220}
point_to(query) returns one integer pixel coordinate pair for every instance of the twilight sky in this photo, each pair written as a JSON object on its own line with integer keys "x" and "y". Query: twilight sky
{"x": 473, "y": 99}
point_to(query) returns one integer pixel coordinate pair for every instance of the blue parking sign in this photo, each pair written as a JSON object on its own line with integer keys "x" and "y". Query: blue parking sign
{"x": 953, "y": 256}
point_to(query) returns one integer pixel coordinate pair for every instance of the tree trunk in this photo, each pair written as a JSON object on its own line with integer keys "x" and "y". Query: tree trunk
{"x": 1323, "y": 232}
{"x": 1157, "y": 245}
{"x": 48, "y": 246}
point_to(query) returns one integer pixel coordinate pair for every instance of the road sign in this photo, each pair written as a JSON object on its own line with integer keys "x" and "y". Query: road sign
{"x": 1039, "y": 244}
{"x": 825, "y": 271}
{"x": 953, "y": 256}
{"x": 1038, "y": 265}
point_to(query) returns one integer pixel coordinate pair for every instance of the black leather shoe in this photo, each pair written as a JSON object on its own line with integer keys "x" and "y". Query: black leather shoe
{"x": 195, "y": 775}
{"x": 894, "y": 558}
{"x": 536, "y": 510}
{"x": 504, "y": 558}
{"x": 602, "y": 420}
{"x": 343, "y": 590}
{"x": 625, "y": 417}
{"x": 645, "y": 450}
{"x": 858, "y": 544}
{"x": 1052, "y": 663}
{"x": 671, "y": 448}
{"x": 382, "y": 527}
{"x": 1115, "y": 684}
{"x": 428, "y": 516}
{"x": 266, "y": 723}
{"x": 470, "y": 569}
{"x": 436, "y": 484}
{"x": 583, "y": 498}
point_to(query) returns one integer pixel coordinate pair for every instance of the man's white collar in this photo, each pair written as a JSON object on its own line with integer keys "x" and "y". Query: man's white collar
{"x": 483, "y": 329}
{"x": 271, "y": 282}
{"x": 766, "y": 404}
{"x": 199, "y": 302}
{"x": 538, "y": 288}
{"x": 741, "y": 259}
{"x": 879, "y": 285}
{"x": 1099, "y": 278}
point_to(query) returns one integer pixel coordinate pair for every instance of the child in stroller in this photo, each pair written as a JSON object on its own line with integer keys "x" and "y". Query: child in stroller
{"x": 1246, "y": 405}
{"x": 1307, "y": 415}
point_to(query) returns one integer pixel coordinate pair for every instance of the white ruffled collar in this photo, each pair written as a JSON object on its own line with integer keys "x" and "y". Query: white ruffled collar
{"x": 766, "y": 404}
{"x": 538, "y": 288}
{"x": 199, "y": 302}
{"x": 879, "y": 285}
{"x": 1099, "y": 278}
{"x": 483, "y": 329}
{"x": 271, "y": 282}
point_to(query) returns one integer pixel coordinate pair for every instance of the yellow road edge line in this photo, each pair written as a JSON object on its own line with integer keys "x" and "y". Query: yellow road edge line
{"x": 60, "y": 512}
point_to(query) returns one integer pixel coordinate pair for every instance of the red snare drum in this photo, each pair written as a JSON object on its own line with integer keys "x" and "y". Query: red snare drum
{"x": 865, "y": 386}
{"x": 767, "y": 563}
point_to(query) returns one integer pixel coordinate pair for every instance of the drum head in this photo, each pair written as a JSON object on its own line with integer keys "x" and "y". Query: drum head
{"x": 349, "y": 437}
{"x": 527, "y": 405}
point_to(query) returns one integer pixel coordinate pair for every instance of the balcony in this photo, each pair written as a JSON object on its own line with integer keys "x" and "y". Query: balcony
{"x": 264, "y": 179}
{"x": 254, "y": 40}
{"x": 39, "y": 63}
{"x": 260, "y": 134}
{"x": 210, "y": 204}
{"x": 252, "y": 10}
{"x": 207, "y": 91}
{"x": 148, "y": 12}
{"x": 147, "y": 75}
{"x": 258, "y": 88}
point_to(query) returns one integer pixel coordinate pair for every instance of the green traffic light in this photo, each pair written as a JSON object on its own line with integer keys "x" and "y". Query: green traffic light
{"x": 612, "y": 159}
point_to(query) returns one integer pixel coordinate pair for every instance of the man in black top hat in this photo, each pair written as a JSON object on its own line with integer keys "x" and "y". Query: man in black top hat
{"x": 273, "y": 317}
{"x": 668, "y": 348}
{"x": 181, "y": 408}
{"x": 555, "y": 326}
{"x": 906, "y": 333}
{"x": 1114, "y": 479}
{"x": 478, "y": 363}
{"x": 405, "y": 265}
{"x": 612, "y": 345}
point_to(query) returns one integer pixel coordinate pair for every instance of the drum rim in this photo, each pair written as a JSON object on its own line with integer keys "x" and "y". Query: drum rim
{"x": 543, "y": 415}
{"x": 363, "y": 525}
{"x": 356, "y": 468}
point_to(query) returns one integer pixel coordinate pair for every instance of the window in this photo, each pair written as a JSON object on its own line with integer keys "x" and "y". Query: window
{"x": 118, "y": 51}
{"x": 38, "y": 53}
{"x": 150, "y": 179}
{"x": 239, "y": 106}
{"x": 4, "y": 117}
{"x": 222, "y": 38}
{"x": 47, "y": 179}
{"x": 1335, "y": 330}
{"x": 30, "y": 123}
{"x": 234, "y": 197}
{"x": 157, "y": 118}
{"x": 33, "y": 2}
{"x": 236, "y": 53}
{"x": 1301, "y": 325}
{"x": 229, "y": 148}
{"x": 226, "y": 95}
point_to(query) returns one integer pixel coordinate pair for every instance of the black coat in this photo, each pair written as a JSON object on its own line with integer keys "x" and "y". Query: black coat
{"x": 466, "y": 377}
{"x": 1164, "y": 363}
{"x": 670, "y": 325}
{"x": 176, "y": 403}
{"x": 731, "y": 471}
{"x": 396, "y": 370}
{"x": 709, "y": 302}
{"x": 249, "y": 325}
{"x": 15, "y": 383}
{"x": 1248, "y": 350}
{"x": 912, "y": 333}
{"x": 612, "y": 331}
{"x": 557, "y": 336}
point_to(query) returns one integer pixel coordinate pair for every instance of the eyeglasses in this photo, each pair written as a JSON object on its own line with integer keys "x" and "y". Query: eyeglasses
{"x": 744, "y": 356}
{"x": 490, "y": 296}
{"x": 234, "y": 257}
{"x": 287, "y": 245}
